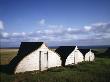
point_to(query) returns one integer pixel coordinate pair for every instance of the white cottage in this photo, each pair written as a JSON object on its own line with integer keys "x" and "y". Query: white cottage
{"x": 34, "y": 56}
{"x": 70, "y": 55}
{"x": 88, "y": 54}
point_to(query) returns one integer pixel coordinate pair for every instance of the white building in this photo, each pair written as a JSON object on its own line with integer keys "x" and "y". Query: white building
{"x": 88, "y": 54}
{"x": 34, "y": 56}
{"x": 70, "y": 55}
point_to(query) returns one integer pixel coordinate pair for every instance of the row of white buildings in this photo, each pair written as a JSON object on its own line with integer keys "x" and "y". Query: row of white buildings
{"x": 33, "y": 56}
{"x": 72, "y": 55}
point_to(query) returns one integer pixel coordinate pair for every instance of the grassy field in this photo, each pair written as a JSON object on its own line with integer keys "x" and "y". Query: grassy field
{"x": 97, "y": 71}
{"x": 6, "y": 55}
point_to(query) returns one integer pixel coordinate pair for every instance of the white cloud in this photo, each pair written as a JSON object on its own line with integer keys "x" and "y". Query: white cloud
{"x": 1, "y": 25}
{"x": 18, "y": 34}
{"x": 55, "y": 26}
{"x": 107, "y": 35}
{"x": 99, "y": 24}
{"x": 42, "y": 22}
{"x": 58, "y": 34}
{"x": 101, "y": 28}
{"x": 70, "y": 29}
{"x": 48, "y": 31}
{"x": 87, "y": 28}
{"x": 70, "y": 36}
{"x": 4, "y": 34}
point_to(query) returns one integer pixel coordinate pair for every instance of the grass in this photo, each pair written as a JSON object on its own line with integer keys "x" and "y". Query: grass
{"x": 97, "y": 71}
{"x": 6, "y": 57}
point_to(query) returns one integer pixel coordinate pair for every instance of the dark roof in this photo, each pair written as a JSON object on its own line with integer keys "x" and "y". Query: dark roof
{"x": 28, "y": 47}
{"x": 84, "y": 51}
{"x": 64, "y": 51}
{"x": 25, "y": 49}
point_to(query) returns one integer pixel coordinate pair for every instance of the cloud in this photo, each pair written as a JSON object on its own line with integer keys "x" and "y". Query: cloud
{"x": 4, "y": 35}
{"x": 42, "y": 22}
{"x": 15, "y": 34}
{"x": 55, "y": 26}
{"x": 100, "y": 30}
{"x": 101, "y": 27}
{"x": 1, "y": 25}
{"x": 87, "y": 28}
{"x": 94, "y": 34}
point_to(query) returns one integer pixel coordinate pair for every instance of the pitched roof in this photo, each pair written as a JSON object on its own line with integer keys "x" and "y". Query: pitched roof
{"x": 84, "y": 51}
{"x": 64, "y": 51}
{"x": 25, "y": 49}
{"x": 28, "y": 47}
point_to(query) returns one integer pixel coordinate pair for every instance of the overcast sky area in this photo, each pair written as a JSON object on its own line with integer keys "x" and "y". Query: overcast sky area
{"x": 55, "y": 22}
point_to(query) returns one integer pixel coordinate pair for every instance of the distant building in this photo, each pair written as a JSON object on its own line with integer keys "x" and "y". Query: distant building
{"x": 88, "y": 54}
{"x": 34, "y": 56}
{"x": 70, "y": 55}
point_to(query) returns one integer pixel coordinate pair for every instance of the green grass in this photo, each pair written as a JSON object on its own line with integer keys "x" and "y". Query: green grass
{"x": 102, "y": 50}
{"x": 6, "y": 57}
{"x": 97, "y": 71}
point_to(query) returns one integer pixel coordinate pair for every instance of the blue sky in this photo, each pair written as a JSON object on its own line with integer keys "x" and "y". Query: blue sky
{"x": 62, "y": 22}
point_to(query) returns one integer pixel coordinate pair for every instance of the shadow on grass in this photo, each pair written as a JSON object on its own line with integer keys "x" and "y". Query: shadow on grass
{"x": 4, "y": 68}
{"x": 7, "y": 69}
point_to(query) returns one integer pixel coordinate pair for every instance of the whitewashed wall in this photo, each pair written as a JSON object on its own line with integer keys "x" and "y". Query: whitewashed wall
{"x": 75, "y": 57}
{"x": 78, "y": 57}
{"x": 31, "y": 61}
{"x": 89, "y": 56}
{"x": 53, "y": 59}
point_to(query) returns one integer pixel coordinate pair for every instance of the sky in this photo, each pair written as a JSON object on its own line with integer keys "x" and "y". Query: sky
{"x": 55, "y": 22}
